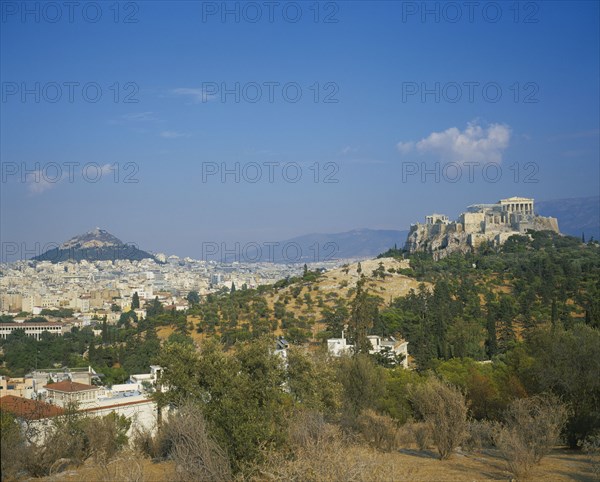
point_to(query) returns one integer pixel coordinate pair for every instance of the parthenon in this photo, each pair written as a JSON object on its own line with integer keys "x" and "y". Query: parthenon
{"x": 517, "y": 204}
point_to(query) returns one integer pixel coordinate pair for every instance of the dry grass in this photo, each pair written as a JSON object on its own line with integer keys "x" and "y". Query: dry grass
{"x": 408, "y": 465}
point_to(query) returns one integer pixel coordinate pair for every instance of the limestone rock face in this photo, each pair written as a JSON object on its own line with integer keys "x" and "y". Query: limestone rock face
{"x": 482, "y": 223}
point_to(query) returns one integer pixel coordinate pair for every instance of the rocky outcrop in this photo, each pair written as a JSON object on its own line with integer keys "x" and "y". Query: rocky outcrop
{"x": 483, "y": 223}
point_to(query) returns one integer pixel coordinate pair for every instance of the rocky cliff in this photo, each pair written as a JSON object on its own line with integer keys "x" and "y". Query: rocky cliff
{"x": 481, "y": 224}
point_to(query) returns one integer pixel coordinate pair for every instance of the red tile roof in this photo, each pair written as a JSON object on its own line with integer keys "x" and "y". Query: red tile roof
{"x": 69, "y": 387}
{"x": 27, "y": 408}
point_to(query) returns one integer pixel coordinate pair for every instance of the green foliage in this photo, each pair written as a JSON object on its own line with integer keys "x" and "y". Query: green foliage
{"x": 489, "y": 387}
{"x": 24, "y": 353}
{"x": 240, "y": 395}
{"x": 193, "y": 298}
{"x": 567, "y": 363}
{"x": 312, "y": 382}
{"x": 335, "y": 319}
{"x": 395, "y": 399}
{"x": 363, "y": 384}
{"x": 363, "y": 314}
{"x": 12, "y": 446}
{"x": 60, "y": 313}
{"x": 155, "y": 308}
{"x": 135, "y": 301}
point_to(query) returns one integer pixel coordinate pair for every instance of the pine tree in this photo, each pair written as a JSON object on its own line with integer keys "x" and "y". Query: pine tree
{"x": 104, "y": 331}
{"x": 492, "y": 340}
{"x": 554, "y": 313}
{"x": 92, "y": 353}
{"x": 135, "y": 301}
{"x": 506, "y": 313}
{"x": 363, "y": 314}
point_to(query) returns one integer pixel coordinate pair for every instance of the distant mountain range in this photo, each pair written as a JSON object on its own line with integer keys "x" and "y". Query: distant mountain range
{"x": 357, "y": 244}
{"x": 95, "y": 245}
{"x": 575, "y": 215}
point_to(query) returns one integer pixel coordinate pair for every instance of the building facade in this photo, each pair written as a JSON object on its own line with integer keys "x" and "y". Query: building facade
{"x": 67, "y": 392}
{"x": 31, "y": 329}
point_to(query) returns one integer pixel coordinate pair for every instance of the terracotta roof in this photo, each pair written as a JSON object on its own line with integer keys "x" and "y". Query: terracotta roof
{"x": 69, "y": 387}
{"x": 27, "y": 408}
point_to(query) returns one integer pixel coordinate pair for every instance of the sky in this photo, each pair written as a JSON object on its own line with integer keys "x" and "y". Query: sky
{"x": 172, "y": 124}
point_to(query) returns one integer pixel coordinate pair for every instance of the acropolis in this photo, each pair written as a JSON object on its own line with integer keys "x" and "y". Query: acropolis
{"x": 480, "y": 223}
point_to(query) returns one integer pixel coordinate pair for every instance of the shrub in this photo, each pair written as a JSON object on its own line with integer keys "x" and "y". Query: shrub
{"x": 105, "y": 436}
{"x": 185, "y": 439}
{"x": 480, "y": 435}
{"x": 363, "y": 385}
{"x": 591, "y": 446}
{"x": 70, "y": 439}
{"x": 380, "y": 431}
{"x": 12, "y": 447}
{"x": 444, "y": 409}
{"x": 421, "y": 434}
{"x": 532, "y": 427}
{"x": 331, "y": 457}
{"x": 307, "y": 428}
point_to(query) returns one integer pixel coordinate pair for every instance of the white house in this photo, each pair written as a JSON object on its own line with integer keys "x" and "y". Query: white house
{"x": 397, "y": 347}
{"x": 338, "y": 346}
{"x": 150, "y": 379}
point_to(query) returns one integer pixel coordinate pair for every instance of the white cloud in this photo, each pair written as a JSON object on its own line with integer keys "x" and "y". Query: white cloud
{"x": 348, "y": 150}
{"x": 134, "y": 117}
{"x": 475, "y": 143}
{"x": 140, "y": 117}
{"x": 172, "y": 134}
{"x": 40, "y": 181}
{"x": 197, "y": 95}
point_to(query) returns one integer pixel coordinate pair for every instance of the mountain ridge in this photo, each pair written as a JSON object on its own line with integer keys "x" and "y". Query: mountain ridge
{"x": 575, "y": 215}
{"x": 95, "y": 245}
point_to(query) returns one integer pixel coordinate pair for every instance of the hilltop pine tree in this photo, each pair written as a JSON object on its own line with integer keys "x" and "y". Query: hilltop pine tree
{"x": 363, "y": 314}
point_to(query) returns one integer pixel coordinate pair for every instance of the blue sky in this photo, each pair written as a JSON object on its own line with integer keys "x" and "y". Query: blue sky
{"x": 533, "y": 77}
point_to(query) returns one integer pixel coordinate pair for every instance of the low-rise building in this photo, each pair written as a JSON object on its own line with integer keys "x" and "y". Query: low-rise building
{"x": 67, "y": 392}
{"x": 18, "y": 387}
{"x": 31, "y": 329}
{"x": 339, "y": 347}
{"x": 396, "y": 348}
{"x": 146, "y": 382}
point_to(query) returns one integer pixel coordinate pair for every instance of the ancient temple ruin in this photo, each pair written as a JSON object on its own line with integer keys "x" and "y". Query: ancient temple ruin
{"x": 480, "y": 223}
